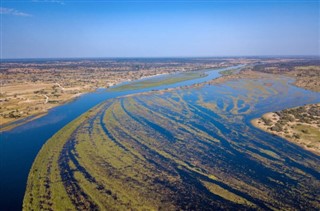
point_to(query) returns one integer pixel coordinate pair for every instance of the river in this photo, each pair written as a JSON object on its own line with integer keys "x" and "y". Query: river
{"x": 19, "y": 146}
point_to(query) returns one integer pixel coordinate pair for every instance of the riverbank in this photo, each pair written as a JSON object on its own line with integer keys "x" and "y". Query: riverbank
{"x": 21, "y": 103}
{"x": 300, "y": 125}
{"x": 24, "y": 113}
{"x": 26, "y": 104}
{"x": 31, "y": 88}
{"x": 21, "y": 144}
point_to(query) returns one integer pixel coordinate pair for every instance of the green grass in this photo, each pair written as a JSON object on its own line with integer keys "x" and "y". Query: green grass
{"x": 48, "y": 157}
{"x": 164, "y": 80}
{"x": 309, "y": 133}
{"x": 162, "y": 151}
{"x": 229, "y": 72}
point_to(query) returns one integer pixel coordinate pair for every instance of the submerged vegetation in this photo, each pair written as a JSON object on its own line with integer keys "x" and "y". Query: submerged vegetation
{"x": 190, "y": 149}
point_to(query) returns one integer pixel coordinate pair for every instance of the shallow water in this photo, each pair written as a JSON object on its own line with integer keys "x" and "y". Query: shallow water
{"x": 244, "y": 153}
{"x": 19, "y": 146}
{"x": 193, "y": 148}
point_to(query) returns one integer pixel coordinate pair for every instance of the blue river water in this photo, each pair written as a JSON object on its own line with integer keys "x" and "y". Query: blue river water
{"x": 19, "y": 146}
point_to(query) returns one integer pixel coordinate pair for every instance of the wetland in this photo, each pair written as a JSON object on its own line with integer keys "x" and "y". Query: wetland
{"x": 190, "y": 148}
{"x": 19, "y": 146}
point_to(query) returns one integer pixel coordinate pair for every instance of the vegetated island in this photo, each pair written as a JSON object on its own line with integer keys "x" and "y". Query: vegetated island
{"x": 164, "y": 80}
{"x": 300, "y": 125}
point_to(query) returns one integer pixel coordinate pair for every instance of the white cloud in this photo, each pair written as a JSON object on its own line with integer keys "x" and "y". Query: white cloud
{"x": 11, "y": 11}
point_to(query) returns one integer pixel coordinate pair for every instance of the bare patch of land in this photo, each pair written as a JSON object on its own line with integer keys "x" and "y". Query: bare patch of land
{"x": 23, "y": 100}
{"x": 299, "y": 125}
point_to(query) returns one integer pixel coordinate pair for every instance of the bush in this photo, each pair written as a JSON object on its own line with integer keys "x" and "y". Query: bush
{"x": 266, "y": 121}
{"x": 276, "y": 128}
{"x": 297, "y": 136}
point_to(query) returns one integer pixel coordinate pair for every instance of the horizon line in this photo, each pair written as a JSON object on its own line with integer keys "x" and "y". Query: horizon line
{"x": 158, "y": 57}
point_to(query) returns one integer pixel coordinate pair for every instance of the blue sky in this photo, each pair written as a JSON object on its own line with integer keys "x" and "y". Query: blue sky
{"x": 52, "y": 28}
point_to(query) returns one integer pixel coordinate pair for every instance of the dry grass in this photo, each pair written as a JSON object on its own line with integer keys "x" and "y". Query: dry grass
{"x": 19, "y": 101}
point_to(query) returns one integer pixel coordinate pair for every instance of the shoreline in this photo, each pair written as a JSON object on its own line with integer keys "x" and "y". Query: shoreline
{"x": 221, "y": 79}
{"x": 20, "y": 121}
{"x": 11, "y": 125}
{"x": 16, "y": 123}
{"x": 257, "y": 125}
{"x": 299, "y": 133}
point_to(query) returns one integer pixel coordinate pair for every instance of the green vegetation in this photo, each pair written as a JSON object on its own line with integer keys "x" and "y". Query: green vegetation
{"x": 45, "y": 181}
{"x": 229, "y": 72}
{"x": 179, "y": 150}
{"x": 163, "y": 80}
{"x": 300, "y": 125}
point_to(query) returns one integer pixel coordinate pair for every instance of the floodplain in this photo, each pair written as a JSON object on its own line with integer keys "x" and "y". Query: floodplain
{"x": 191, "y": 148}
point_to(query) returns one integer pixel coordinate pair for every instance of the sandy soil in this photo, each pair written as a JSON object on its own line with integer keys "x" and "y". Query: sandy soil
{"x": 304, "y": 134}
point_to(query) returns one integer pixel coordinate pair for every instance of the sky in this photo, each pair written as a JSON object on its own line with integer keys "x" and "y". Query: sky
{"x": 69, "y": 28}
